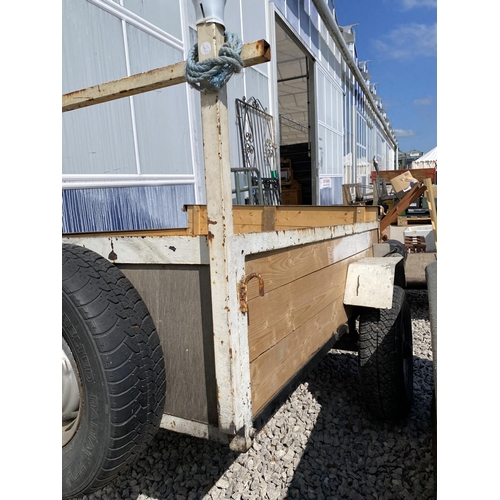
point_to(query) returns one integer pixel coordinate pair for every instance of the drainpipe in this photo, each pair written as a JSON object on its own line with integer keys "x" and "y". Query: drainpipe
{"x": 354, "y": 122}
{"x": 331, "y": 24}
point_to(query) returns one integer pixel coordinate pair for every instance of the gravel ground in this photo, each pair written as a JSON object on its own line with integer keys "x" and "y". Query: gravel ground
{"x": 319, "y": 445}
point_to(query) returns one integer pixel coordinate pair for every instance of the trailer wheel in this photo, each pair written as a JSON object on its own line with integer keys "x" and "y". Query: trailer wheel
{"x": 385, "y": 360}
{"x": 113, "y": 372}
{"x": 397, "y": 247}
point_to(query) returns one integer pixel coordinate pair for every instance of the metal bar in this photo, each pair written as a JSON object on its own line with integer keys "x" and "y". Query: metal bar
{"x": 256, "y": 132}
{"x": 86, "y": 181}
{"x": 252, "y": 53}
{"x": 145, "y": 249}
{"x": 248, "y": 172}
{"x": 232, "y": 365}
{"x": 292, "y": 78}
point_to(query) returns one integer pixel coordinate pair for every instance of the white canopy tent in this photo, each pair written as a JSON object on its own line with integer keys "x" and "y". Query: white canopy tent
{"x": 428, "y": 160}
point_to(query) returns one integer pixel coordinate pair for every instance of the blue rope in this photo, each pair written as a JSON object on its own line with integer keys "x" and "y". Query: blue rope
{"x": 213, "y": 73}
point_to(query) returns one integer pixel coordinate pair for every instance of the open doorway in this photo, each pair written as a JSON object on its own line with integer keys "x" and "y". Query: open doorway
{"x": 294, "y": 84}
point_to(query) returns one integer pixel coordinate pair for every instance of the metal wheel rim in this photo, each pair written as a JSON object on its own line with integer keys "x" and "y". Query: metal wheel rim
{"x": 71, "y": 395}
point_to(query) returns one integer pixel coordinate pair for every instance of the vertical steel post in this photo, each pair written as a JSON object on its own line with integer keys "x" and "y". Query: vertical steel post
{"x": 231, "y": 356}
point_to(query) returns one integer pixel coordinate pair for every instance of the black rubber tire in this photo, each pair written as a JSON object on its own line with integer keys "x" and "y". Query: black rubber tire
{"x": 434, "y": 433}
{"x": 397, "y": 247}
{"x": 400, "y": 273}
{"x": 385, "y": 360}
{"x": 122, "y": 370}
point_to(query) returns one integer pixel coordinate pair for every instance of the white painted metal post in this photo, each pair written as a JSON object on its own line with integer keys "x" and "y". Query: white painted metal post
{"x": 231, "y": 360}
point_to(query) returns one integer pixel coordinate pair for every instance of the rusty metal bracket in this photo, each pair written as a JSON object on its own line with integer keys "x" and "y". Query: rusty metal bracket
{"x": 243, "y": 287}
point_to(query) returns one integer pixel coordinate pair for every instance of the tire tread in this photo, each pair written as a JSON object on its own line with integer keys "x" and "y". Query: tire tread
{"x": 124, "y": 331}
{"x": 380, "y": 372}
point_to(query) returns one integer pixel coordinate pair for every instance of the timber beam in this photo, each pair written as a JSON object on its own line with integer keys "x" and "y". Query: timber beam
{"x": 251, "y": 53}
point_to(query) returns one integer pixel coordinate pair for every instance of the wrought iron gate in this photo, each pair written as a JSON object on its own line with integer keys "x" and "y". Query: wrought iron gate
{"x": 259, "y": 151}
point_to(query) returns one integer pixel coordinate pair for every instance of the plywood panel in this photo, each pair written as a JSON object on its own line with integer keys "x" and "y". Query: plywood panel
{"x": 284, "y": 309}
{"x": 178, "y": 298}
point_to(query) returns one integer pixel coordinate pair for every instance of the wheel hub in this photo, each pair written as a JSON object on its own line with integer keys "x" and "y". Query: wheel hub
{"x": 71, "y": 395}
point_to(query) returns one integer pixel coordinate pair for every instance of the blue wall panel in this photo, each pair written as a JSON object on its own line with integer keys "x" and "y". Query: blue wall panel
{"x": 125, "y": 208}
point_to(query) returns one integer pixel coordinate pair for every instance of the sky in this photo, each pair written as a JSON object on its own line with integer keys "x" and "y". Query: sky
{"x": 399, "y": 38}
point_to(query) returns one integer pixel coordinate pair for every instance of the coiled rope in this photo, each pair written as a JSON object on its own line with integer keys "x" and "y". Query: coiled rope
{"x": 213, "y": 73}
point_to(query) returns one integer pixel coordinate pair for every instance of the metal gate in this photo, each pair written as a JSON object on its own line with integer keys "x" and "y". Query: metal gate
{"x": 259, "y": 151}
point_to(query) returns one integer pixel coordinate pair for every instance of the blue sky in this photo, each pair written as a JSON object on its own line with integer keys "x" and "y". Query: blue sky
{"x": 399, "y": 38}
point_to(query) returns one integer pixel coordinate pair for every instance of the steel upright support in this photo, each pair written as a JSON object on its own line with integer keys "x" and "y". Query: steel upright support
{"x": 231, "y": 358}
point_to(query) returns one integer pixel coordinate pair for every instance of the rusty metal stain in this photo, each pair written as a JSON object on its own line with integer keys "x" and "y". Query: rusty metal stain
{"x": 243, "y": 288}
{"x": 112, "y": 255}
{"x": 210, "y": 236}
{"x": 210, "y": 221}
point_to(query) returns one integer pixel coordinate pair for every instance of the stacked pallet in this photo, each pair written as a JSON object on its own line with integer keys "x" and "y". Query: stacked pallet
{"x": 415, "y": 244}
{"x": 404, "y": 220}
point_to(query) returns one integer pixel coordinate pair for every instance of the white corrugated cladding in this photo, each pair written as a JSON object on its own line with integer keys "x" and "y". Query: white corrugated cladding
{"x": 101, "y": 42}
{"x": 154, "y": 140}
{"x": 349, "y": 132}
{"x": 144, "y": 150}
{"x": 157, "y": 133}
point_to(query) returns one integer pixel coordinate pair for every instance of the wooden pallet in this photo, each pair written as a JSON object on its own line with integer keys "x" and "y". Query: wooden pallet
{"x": 415, "y": 244}
{"x": 403, "y": 220}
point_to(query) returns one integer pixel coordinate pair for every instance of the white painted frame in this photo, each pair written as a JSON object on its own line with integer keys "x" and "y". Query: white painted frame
{"x": 86, "y": 181}
{"x": 235, "y": 396}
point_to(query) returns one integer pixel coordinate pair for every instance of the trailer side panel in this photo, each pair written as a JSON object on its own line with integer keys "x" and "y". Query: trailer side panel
{"x": 178, "y": 298}
{"x": 301, "y": 309}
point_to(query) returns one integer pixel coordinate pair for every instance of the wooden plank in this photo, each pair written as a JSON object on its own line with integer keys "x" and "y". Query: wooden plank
{"x": 284, "y": 309}
{"x": 403, "y": 220}
{"x": 274, "y": 368}
{"x": 268, "y": 218}
{"x": 197, "y": 220}
{"x": 283, "y": 266}
{"x": 416, "y": 191}
{"x": 432, "y": 207}
{"x": 347, "y": 194}
{"x": 248, "y": 219}
{"x": 251, "y": 219}
{"x": 417, "y": 173}
{"x": 252, "y": 53}
{"x": 295, "y": 217}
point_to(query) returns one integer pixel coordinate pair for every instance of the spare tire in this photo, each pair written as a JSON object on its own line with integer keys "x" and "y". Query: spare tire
{"x": 113, "y": 372}
{"x": 385, "y": 360}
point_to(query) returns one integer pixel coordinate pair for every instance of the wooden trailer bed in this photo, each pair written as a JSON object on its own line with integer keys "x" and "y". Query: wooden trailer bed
{"x": 301, "y": 254}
